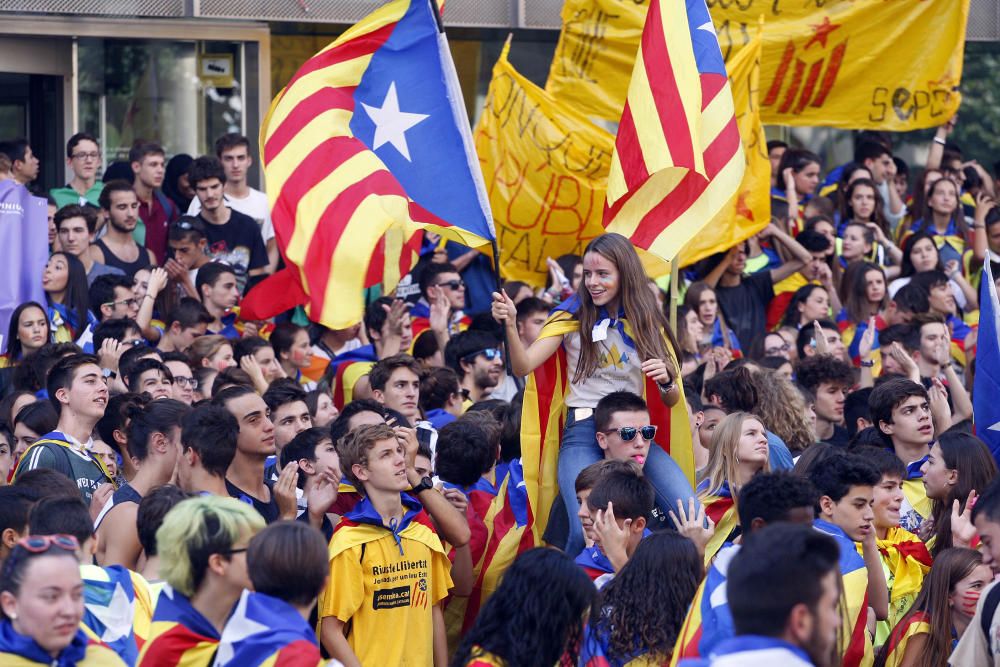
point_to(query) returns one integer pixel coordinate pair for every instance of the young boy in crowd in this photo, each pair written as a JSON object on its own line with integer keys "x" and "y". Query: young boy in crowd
{"x": 219, "y": 292}
{"x": 188, "y": 253}
{"x": 387, "y": 565}
{"x": 76, "y": 226}
{"x": 617, "y": 506}
{"x": 118, "y": 247}
{"x": 319, "y": 466}
{"x": 845, "y": 484}
{"x": 83, "y": 158}
{"x": 15, "y": 503}
{"x": 152, "y": 377}
{"x": 79, "y": 394}
{"x": 188, "y": 320}
{"x": 207, "y": 448}
{"x": 905, "y": 559}
{"x": 476, "y": 357}
{"x": 154, "y": 441}
{"x": 829, "y": 380}
{"x": 901, "y": 412}
{"x": 184, "y": 382}
{"x": 262, "y": 354}
{"x": 395, "y": 383}
{"x": 286, "y": 402}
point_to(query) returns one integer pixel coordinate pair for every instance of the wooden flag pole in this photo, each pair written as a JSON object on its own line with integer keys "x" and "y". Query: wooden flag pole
{"x": 674, "y": 279}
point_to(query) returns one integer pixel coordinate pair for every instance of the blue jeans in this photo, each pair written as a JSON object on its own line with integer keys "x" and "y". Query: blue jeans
{"x": 580, "y": 449}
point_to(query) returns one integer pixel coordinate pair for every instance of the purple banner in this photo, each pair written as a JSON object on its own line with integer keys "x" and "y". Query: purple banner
{"x": 24, "y": 249}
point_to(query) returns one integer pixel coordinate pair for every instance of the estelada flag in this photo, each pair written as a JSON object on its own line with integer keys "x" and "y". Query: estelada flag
{"x": 180, "y": 636}
{"x": 367, "y": 145}
{"x": 264, "y": 631}
{"x": 678, "y": 156}
{"x": 749, "y": 210}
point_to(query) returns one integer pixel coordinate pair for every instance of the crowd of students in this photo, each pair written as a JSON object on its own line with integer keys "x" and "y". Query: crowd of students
{"x": 787, "y": 477}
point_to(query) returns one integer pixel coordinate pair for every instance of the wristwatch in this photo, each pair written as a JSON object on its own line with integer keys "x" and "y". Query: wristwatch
{"x": 425, "y": 484}
{"x": 665, "y": 387}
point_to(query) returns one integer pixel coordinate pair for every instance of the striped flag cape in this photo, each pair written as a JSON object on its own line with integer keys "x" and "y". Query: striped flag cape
{"x": 367, "y": 145}
{"x": 267, "y": 632}
{"x": 851, "y": 333}
{"x": 544, "y": 411}
{"x": 678, "y": 157}
{"x": 856, "y": 644}
{"x": 907, "y": 561}
{"x": 720, "y": 506}
{"x": 917, "y": 623}
{"x": 508, "y": 524}
{"x": 708, "y": 620}
{"x": 116, "y": 609}
{"x": 180, "y": 635}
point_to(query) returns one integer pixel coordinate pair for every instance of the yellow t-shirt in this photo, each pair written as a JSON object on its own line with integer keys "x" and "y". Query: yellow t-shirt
{"x": 378, "y": 583}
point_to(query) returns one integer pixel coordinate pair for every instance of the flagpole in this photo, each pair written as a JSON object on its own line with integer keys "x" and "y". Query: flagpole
{"x": 674, "y": 279}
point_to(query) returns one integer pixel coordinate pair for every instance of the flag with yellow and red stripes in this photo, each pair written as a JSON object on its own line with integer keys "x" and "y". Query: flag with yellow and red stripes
{"x": 678, "y": 157}
{"x": 368, "y": 145}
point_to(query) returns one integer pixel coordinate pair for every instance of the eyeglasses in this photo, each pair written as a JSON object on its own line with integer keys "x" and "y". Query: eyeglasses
{"x": 183, "y": 224}
{"x": 628, "y": 433}
{"x": 38, "y": 544}
{"x": 185, "y": 382}
{"x": 776, "y": 350}
{"x": 491, "y": 354}
{"x": 230, "y": 552}
{"x": 124, "y": 302}
{"x": 86, "y": 156}
{"x": 452, "y": 284}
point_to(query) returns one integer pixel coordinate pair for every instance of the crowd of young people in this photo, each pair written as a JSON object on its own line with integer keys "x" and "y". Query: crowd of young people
{"x": 788, "y": 476}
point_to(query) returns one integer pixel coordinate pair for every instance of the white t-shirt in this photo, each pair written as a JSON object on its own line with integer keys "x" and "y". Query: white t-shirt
{"x": 619, "y": 369}
{"x": 899, "y": 283}
{"x": 254, "y": 204}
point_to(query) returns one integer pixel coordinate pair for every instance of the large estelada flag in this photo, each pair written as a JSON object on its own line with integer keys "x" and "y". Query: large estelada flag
{"x": 986, "y": 385}
{"x": 367, "y": 145}
{"x": 678, "y": 157}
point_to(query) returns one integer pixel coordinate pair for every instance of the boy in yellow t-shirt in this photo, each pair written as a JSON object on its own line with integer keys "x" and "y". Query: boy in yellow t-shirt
{"x": 388, "y": 568}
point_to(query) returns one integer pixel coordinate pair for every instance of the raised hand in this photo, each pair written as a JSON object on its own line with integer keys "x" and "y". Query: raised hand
{"x": 694, "y": 525}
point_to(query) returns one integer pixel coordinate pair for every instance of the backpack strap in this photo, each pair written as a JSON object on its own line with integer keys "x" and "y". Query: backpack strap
{"x": 988, "y": 611}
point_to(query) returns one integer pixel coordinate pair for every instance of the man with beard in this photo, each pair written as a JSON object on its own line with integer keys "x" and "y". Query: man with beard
{"x": 476, "y": 357}
{"x": 783, "y": 594}
{"x": 117, "y": 248}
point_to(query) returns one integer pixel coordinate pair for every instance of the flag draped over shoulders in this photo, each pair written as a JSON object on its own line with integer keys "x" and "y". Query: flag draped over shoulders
{"x": 720, "y": 506}
{"x": 367, "y": 145}
{"x": 544, "y": 412}
{"x": 180, "y": 636}
{"x": 678, "y": 155}
{"x": 267, "y": 632}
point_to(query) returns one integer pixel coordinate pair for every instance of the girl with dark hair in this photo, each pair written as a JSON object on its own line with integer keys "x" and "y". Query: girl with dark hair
{"x": 849, "y": 173}
{"x": 440, "y": 396}
{"x": 42, "y": 605}
{"x": 321, "y": 407}
{"x": 535, "y": 617}
{"x": 293, "y": 350}
{"x": 29, "y": 330}
{"x": 944, "y": 220}
{"x": 611, "y": 336}
{"x": 30, "y": 423}
{"x": 809, "y": 303}
{"x": 863, "y": 204}
{"x": 857, "y": 245}
{"x": 65, "y": 283}
{"x": 920, "y": 254}
{"x": 959, "y": 467}
{"x": 941, "y": 614}
{"x": 795, "y": 183}
{"x": 690, "y": 331}
{"x": 863, "y": 293}
{"x": 700, "y": 297}
{"x": 640, "y": 612}
{"x": 175, "y": 181}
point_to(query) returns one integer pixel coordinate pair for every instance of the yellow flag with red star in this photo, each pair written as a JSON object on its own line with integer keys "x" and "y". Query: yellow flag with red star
{"x": 879, "y": 64}
{"x": 749, "y": 210}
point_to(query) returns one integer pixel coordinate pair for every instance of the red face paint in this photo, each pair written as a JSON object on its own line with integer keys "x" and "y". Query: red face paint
{"x": 969, "y": 601}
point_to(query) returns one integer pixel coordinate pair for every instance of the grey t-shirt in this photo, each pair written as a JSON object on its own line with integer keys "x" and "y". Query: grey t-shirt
{"x": 71, "y": 459}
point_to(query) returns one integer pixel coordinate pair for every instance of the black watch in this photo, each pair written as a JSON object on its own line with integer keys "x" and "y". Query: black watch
{"x": 425, "y": 485}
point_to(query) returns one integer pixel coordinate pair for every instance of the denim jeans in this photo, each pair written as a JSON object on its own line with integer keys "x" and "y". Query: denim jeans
{"x": 580, "y": 449}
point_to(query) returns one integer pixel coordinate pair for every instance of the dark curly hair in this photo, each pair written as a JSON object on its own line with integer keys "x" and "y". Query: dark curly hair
{"x": 535, "y": 615}
{"x": 640, "y": 612}
{"x": 814, "y": 371}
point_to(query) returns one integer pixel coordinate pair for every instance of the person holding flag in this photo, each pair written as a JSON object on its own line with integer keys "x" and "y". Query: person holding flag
{"x": 610, "y": 336}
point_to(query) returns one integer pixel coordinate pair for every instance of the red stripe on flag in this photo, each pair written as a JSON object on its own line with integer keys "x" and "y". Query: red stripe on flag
{"x": 629, "y": 152}
{"x": 722, "y": 149}
{"x": 663, "y": 86}
{"x": 673, "y": 204}
{"x": 364, "y": 45}
{"x": 793, "y": 88}
{"x": 376, "y": 265}
{"x": 810, "y": 86}
{"x": 830, "y": 77}
{"x": 302, "y": 114}
{"x": 779, "y": 75}
{"x": 711, "y": 84}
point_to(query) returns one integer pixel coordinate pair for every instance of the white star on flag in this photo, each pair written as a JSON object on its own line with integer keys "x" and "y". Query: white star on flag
{"x": 707, "y": 27}
{"x": 117, "y": 617}
{"x": 391, "y": 124}
{"x": 238, "y": 627}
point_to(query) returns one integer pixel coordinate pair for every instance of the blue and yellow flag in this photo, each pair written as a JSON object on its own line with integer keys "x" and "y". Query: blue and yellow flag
{"x": 267, "y": 632}
{"x": 115, "y": 607}
{"x": 17, "y": 650}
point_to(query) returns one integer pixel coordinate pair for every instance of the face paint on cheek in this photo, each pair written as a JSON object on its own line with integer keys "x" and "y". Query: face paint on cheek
{"x": 298, "y": 356}
{"x": 969, "y": 601}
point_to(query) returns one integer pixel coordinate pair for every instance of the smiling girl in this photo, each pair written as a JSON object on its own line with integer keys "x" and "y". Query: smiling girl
{"x": 610, "y": 336}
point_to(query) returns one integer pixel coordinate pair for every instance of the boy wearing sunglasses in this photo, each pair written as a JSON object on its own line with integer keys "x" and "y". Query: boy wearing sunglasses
{"x": 476, "y": 357}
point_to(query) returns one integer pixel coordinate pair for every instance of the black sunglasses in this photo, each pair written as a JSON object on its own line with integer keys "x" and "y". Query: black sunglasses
{"x": 628, "y": 433}
{"x": 452, "y": 284}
